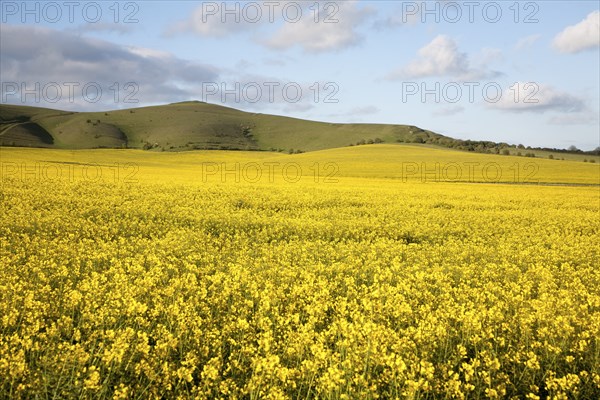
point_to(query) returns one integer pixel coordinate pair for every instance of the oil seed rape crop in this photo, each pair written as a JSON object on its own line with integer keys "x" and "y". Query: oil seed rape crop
{"x": 354, "y": 290}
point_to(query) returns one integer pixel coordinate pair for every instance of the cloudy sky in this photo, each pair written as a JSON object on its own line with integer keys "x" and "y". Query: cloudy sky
{"x": 518, "y": 72}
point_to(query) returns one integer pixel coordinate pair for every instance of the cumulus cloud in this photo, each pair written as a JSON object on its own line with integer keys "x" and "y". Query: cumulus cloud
{"x": 220, "y": 19}
{"x": 281, "y": 25}
{"x": 538, "y": 98}
{"x": 579, "y": 37}
{"x": 62, "y": 60}
{"x": 442, "y": 57}
{"x": 33, "y": 55}
{"x": 394, "y": 20}
{"x": 336, "y": 29}
{"x": 439, "y": 57}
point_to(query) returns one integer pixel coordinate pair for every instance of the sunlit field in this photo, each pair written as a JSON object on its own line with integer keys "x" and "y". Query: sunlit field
{"x": 371, "y": 272}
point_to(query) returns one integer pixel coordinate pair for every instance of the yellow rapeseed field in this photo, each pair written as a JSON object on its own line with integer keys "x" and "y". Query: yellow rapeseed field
{"x": 252, "y": 275}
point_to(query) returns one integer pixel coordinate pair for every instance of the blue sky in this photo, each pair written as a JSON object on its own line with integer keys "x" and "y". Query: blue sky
{"x": 519, "y": 72}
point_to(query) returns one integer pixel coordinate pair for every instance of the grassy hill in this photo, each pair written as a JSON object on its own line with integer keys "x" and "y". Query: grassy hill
{"x": 195, "y": 125}
{"x": 188, "y": 126}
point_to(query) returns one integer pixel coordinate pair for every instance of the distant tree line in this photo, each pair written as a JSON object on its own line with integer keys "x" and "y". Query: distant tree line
{"x": 489, "y": 147}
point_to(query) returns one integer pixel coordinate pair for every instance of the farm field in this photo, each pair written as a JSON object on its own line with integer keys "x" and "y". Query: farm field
{"x": 370, "y": 272}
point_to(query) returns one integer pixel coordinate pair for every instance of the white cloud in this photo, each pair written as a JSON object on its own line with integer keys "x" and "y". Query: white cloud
{"x": 400, "y": 17}
{"x": 212, "y": 19}
{"x": 340, "y": 32}
{"x": 39, "y": 55}
{"x": 527, "y": 41}
{"x": 43, "y": 56}
{"x": 583, "y": 36}
{"x": 533, "y": 97}
{"x": 441, "y": 57}
{"x": 332, "y": 27}
{"x": 149, "y": 53}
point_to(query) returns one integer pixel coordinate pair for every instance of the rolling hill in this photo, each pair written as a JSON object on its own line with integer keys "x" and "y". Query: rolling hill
{"x": 187, "y": 126}
{"x": 195, "y": 125}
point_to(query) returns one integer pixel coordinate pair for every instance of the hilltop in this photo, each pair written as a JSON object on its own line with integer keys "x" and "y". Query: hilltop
{"x": 189, "y": 126}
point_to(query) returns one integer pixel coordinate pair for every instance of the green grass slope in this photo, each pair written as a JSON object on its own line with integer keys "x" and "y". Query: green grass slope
{"x": 20, "y": 126}
{"x": 190, "y": 125}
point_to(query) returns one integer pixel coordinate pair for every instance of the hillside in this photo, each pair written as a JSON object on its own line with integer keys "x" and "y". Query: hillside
{"x": 195, "y": 125}
{"x": 188, "y": 126}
